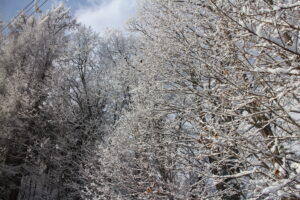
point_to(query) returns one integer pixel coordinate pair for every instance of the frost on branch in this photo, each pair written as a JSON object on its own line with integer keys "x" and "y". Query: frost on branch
{"x": 201, "y": 102}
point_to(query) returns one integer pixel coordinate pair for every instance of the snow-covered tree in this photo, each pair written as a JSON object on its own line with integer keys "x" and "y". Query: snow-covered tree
{"x": 200, "y": 102}
{"x": 113, "y": 75}
{"x": 27, "y": 125}
{"x": 215, "y": 115}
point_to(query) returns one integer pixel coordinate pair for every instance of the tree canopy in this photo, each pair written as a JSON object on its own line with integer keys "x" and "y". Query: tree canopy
{"x": 199, "y": 100}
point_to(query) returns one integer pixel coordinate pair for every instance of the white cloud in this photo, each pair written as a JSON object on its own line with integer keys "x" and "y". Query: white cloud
{"x": 103, "y": 15}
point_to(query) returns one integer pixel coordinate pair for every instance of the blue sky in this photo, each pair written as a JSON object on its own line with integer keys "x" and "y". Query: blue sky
{"x": 99, "y": 14}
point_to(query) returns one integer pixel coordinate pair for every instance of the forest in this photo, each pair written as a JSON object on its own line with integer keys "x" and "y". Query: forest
{"x": 196, "y": 100}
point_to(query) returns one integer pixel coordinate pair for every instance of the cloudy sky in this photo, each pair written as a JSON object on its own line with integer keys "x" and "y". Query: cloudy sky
{"x": 99, "y": 14}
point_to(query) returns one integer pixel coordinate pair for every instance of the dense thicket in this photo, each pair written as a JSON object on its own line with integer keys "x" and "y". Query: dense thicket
{"x": 201, "y": 102}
